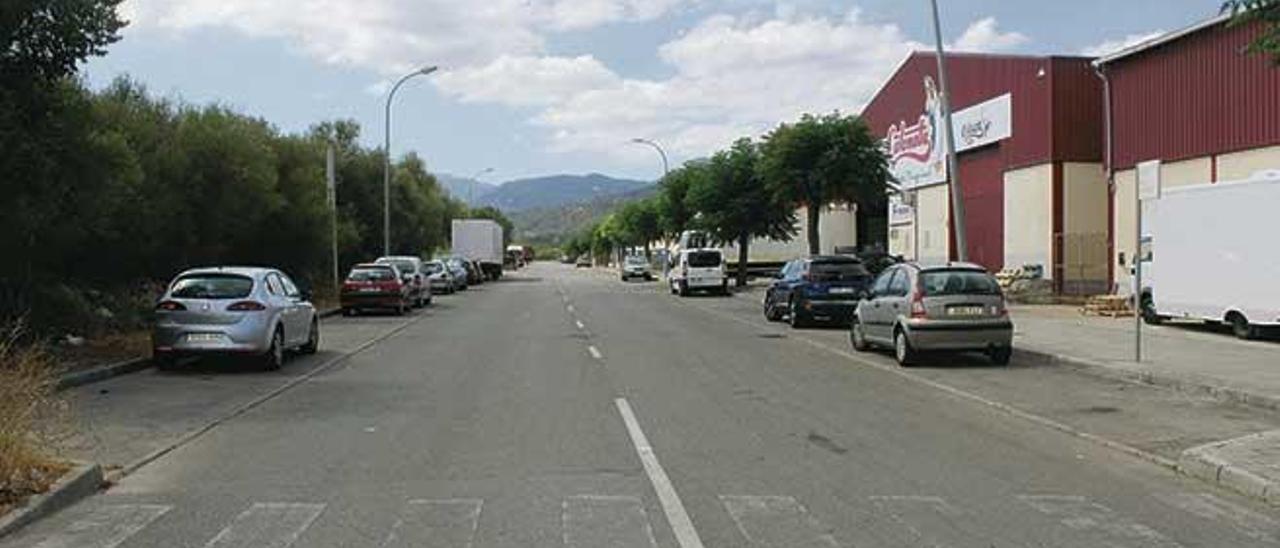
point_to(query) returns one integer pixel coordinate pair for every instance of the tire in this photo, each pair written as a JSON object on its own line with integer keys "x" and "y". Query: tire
{"x": 273, "y": 360}
{"x": 771, "y": 312}
{"x": 1241, "y": 328}
{"x": 348, "y": 312}
{"x": 902, "y": 351}
{"x": 794, "y": 317}
{"x": 858, "y": 337}
{"x": 313, "y": 339}
{"x": 1000, "y": 355}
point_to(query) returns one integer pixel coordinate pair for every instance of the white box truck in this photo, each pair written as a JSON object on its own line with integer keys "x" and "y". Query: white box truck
{"x": 1213, "y": 254}
{"x": 480, "y": 240}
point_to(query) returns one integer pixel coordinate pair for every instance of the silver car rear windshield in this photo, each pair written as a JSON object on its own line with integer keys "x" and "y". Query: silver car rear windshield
{"x": 704, "y": 259}
{"x": 371, "y": 275}
{"x": 958, "y": 282}
{"x": 212, "y": 286}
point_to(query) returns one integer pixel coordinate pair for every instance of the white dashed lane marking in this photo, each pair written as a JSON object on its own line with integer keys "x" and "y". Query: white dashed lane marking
{"x": 580, "y": 325}
{"x": 595, "y": 352}
{"x": 267, "y": 525}
{"x": 106, "y": 527}
{"x": 450, "y": 523}
{"x": 777, "y": 522}
{"x": 595, "y": 521}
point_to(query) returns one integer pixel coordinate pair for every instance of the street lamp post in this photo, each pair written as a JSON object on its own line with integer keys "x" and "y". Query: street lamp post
{"x": 386, "y": 171}
{"x": 471, "y": 187}
{"x": 665, "y": 167}
{"x": 957, "y": 199}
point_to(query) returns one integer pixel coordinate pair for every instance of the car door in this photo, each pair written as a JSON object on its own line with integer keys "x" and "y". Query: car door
{"x": 280, "y": 305}
{"x": 872, "y": 313}
{"x": 895, "y": 304}
{"x": 776, "y": 288}
{"x": 301, "y": 309}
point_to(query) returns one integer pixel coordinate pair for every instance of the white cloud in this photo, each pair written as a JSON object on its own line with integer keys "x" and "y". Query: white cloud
{"x": 984, "y": 35}
{"x": 1111, "y": 46}
{"x": 392, "y": 36}
{"x": 526, "y": 80}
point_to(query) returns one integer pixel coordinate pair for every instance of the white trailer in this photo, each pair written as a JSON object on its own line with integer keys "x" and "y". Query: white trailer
{"x": 1213, "y": 254}
{"x": 479, "y": 240}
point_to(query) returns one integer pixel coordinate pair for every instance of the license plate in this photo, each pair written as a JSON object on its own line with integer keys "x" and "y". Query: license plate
{"x": 204, "y": 337}
{"x": 841, "y": 290}
{"x": 368, "y": 290}
{"x": 965, "y": 311}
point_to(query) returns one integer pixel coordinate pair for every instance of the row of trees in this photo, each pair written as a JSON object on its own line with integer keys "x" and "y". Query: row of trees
{"x": 753, "y": 189}
{"x": 105, "y": 193}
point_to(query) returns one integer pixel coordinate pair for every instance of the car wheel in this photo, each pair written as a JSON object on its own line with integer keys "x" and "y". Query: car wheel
{"x": 770, "y": 312}
{"x": 1241, "y": 327}
{"x": 682, "y": 289}
{"x": 794, "y": 316}
{"x": 348, "y": 312}
{"x": 164, "y": 362}
{"x": 313, "y": 339}
{"x": 1000, "y": 355}
{"x": 858, "y": 336}
{"x": 902, "y": 351}
{"x": 273, "y": 360}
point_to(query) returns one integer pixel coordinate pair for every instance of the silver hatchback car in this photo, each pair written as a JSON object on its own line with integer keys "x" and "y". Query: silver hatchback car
{"x": 954, "y": 306}
{"x": 247, "y": 311}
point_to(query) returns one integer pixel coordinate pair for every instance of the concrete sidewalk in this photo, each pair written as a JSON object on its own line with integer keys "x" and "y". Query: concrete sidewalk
{"x": 1187, "y": 356}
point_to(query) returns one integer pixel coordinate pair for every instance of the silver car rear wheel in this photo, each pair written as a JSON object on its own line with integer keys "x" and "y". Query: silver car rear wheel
{"x": 274, "y": 358}
{"x": 858, "y": 336}
{"x": 902, "y": 350}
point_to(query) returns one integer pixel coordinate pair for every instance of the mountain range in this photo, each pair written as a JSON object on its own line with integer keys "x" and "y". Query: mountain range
{"x": 547, "y": 192}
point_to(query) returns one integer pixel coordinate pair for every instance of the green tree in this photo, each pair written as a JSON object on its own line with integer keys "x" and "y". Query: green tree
{"x": 826, "y": 159}
{"x": 735, "y": 205}
{"x": 1268, "y": 12}
{"x": 42, "y": 41}
{"x": 639, "y": 223}
{"x": 673, "y": 214}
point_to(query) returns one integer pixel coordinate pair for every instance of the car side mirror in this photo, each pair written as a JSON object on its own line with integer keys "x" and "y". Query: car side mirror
{"x": 305, "y": 294}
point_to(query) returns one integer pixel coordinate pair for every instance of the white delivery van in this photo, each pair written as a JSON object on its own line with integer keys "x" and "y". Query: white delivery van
{"x": 698, "y": 269}
{"x": 1213, "y": 254}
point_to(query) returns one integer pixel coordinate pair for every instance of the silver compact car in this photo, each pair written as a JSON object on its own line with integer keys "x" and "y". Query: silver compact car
{"x": 246, "y": 311}
{"x": 439, "y": 277}
{"x": 914, "y": 308}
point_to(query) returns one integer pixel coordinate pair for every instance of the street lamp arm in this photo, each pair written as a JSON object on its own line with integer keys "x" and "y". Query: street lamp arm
{"x": 666, "y": 168}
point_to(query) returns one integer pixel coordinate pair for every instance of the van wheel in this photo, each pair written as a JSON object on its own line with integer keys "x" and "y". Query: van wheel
{"x": 902, "y": 351}
{"x": 1241, "y": 327}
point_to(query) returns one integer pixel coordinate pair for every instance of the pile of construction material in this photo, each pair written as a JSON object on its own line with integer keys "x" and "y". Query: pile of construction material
{"x": 1026, "y": 285}
{"x": 1111, "y": 306}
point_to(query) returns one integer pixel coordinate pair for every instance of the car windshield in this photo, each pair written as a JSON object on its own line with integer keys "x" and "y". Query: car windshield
{"x": 403, "y": 266}
{"x": 433, "y": 268}
{"x": 938, "y": 283}
{"x": 704, "y": 259}
{"x": 842, "y": 271}
{"x": 212, "y": 286}
{"x": 371, "y": 274}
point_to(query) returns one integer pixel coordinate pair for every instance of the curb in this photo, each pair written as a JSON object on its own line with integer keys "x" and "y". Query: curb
{"x": 82, "y": 480}
{"x": 97, "y": 374}
{"x": 1182, "y": 383}
{"x": 1204, "y": 463}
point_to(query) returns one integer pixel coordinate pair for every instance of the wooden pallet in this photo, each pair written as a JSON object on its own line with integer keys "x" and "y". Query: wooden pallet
{"x": 1111, "y": 306}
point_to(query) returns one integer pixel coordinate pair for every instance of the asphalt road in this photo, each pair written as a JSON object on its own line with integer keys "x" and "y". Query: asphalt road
{"x": 562, "y": 408}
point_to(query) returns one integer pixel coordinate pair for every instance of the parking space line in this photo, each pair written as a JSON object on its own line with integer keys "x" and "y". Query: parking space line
{"x": 106, "y": 527}
{"x": 580, "y": 325}
{"x": 601, "y": 521}
{"x": 677, "y": 517}
{"x": 444, "y": 523}
{"x": 777, "y": 522}
{"x": 267, "y": 525}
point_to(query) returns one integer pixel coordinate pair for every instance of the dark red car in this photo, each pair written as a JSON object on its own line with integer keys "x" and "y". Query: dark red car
{"x": 372, "y": 286}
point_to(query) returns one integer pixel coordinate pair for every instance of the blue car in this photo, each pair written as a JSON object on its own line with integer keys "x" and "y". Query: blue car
{"x": 823, "y": 288}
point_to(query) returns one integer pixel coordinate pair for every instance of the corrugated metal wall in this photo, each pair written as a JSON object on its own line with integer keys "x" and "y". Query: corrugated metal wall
{"x": 1195, "y": 96}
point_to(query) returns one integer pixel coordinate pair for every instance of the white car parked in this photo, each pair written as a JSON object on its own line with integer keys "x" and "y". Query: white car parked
{"x": 698, "y": 270}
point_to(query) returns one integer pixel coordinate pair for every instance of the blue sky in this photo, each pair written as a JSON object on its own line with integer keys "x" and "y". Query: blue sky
{"x": 533, "y": 87}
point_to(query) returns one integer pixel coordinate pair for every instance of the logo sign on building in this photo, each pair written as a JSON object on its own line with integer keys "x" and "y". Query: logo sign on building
{"x": 900, "y": 213}
{"x": 984, "y": 123}
{"x": 1149, "y": 180}
{"x": 916, "y": 153}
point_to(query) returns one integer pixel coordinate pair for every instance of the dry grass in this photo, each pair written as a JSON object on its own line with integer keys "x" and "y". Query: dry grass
{"x": 29, "y": 412}
{"x": 103, "y": 349}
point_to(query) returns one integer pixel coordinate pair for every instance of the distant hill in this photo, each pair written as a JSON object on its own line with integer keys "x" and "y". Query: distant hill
{"x": 556, "y": 190}
{"x": 553, "y": 225}
{"x": 462, "y": 187}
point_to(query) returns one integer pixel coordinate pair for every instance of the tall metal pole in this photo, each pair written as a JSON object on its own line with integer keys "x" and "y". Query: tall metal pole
{"x": 471, "y": 187}
{"x": 331, "y": 181}
{"x": 666, "y": 168}
{"x": 386, "y": 168}
{"x": 1137, "y": 269}
{"x": 953, "y": 171}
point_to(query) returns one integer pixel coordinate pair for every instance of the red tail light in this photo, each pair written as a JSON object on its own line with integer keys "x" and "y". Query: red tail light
{"x": 171, "y": 306}
{"x": 917, "y": 306}
{"x": 246, "y": 306}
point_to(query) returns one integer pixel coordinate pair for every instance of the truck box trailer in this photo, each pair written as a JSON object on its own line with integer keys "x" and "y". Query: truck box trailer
{"x": 480, "y": 240}
{"x": 1212, "y": 254}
